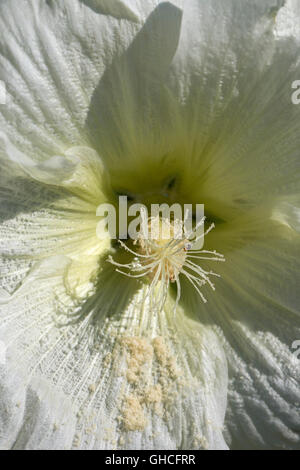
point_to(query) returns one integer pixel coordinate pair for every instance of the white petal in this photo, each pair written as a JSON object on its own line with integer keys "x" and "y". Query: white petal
{"x": 132, "y": 10}
{"x": 126, "y": 9}
{"x": 29, "y": 420}
{"x": 52, "y": 171}
{"x": 233, "y": 78}
{"x": 38, "y": 220}
{"x": 52, "y": 57}
{"x": 288, "y": 20}
{"x": 79, "y": 169}
{"x": 110, "y": 364}
{"x": 288, "y": 212}
{"x": 256, "y": 311}
{"x": 131, "y": 102}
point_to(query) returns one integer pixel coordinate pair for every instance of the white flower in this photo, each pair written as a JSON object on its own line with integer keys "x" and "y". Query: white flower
{"x": 124, "y": 96}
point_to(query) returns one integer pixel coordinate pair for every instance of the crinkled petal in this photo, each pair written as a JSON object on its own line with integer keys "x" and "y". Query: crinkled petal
{"x": 38, "y": 220}
{"x": 233, "y": 76}
{"x": 131, "y": 101}
{"x": 123, "y": 9}
{"x": 287, "y": 212}
{"x": 52, "y": 57}
{"x": 214, "y": 108}
{"x": 28, "y": 420}
{"x": 129, "y": 380}
{"x": 133, "y": 10}
{"x": 255, "y": 310}
{"x": 288, "y": 20}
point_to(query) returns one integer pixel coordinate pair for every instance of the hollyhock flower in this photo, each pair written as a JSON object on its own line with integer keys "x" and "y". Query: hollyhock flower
{"x": 163, "y": 102}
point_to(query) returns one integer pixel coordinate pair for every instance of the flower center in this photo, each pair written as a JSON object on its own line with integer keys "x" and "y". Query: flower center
{"x": 163, "y": 241}
{"x": 164, "y": 252}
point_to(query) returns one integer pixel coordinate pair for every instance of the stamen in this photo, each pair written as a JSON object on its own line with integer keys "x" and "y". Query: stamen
{"x": 161, "y": 260}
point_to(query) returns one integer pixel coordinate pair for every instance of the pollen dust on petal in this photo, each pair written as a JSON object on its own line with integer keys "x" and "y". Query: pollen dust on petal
{"x": 153, "y": 379}
{"x": 134, "y": 418}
